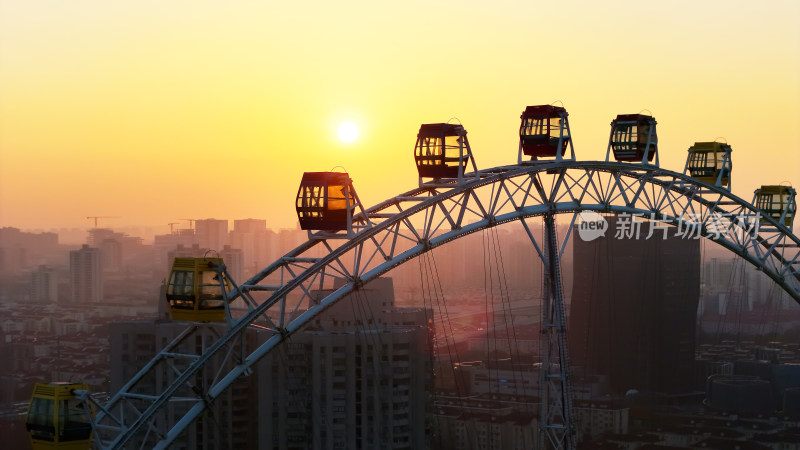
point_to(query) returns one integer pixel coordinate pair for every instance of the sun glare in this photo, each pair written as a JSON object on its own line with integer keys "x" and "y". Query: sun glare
{"x": 348, "y": 131}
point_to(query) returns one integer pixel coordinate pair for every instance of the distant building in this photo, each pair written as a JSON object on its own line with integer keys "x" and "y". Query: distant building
{"x": 253, "y": 238}
{"x": 44, "y": 285}
{"x": 111, "y": 249}
{"x": 634, "y": 309}
{"x": 194, "y": 251}
{"x": 20, "y": 250}
{"x": 86, "y": 275}
{"x": 499, "y": 377}
{"x": 164, "y": 243}
{"x": 596, "y": 418}
{"x": 13, "y": 260}
{"x": 485, "y": 422}
{"x": 127, "y": 245}
{"x": 98, "y": 235}
{"x": 234, "y": 263}
{"x": 211, "y": 233}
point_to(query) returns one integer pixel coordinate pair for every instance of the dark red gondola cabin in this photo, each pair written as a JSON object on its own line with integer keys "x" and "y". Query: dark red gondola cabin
{"x": 633, "y": 135}
{"x": 543, "y": 130}
{"x": 442, "y": 150}
{"x": 325, "y": 201}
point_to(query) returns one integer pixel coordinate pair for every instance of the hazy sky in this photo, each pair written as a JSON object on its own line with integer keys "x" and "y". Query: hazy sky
{"x": 154, "y": 111}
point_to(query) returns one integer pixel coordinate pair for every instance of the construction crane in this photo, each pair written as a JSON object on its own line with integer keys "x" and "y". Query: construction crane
{"x": 171, "y": 226}
{"x": 191, "y": 222}
{"x": 101, "y": 217}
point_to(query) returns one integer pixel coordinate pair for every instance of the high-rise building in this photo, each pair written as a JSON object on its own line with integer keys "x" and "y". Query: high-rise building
{"x": 111, "y": 249}
{"x": 211, "y": 233}
{"x": 232, "y": 421}
{"x": 127, "y": 244}
{"x": 234, "y": 263}
{"x": 86, "y": 275}
{"x": 252, "y": 237}
{"x": 20, "y": 250}
{"x": 44, "y": 285}
{"x": 164, "y": 243}
{"x": 359, "y": 377}
{"x": 634, "y": 308}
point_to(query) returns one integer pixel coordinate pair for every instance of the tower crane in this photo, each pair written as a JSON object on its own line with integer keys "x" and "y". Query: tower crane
{"x": 101, "y": 217}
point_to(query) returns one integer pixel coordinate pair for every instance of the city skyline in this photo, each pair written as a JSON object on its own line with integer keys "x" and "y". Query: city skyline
{"x": 174, "y": 121}
{"x": 110, "y": 110}
{"x": 486, "y": 342}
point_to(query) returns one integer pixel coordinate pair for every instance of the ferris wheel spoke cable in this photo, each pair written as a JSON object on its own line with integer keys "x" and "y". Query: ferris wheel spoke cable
{"x": 507, "y": 312}
{"x": 440, "y": 299}
{"x": 486, "y": 311}
{"x": 505, "y": 302}
{"x": 741, "y": 298}
{"x": 769, "y": 325}
{"x": 425, "y": 281}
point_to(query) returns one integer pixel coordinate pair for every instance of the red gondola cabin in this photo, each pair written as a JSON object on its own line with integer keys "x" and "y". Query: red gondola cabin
{"x": 633, "y": 136}
{"x": 325, "y": 201}
{"x": 442, "y": 150}
{"x": 544, "y": 131}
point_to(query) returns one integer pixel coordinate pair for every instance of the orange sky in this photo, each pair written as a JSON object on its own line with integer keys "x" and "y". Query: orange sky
{"x": 154, "y": 111}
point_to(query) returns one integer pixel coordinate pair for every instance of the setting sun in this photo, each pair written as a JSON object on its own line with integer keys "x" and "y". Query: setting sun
{"x": 348, "y": 131}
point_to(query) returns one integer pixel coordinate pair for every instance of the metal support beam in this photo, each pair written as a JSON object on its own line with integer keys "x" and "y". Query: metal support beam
{"x": 556, "y": 421}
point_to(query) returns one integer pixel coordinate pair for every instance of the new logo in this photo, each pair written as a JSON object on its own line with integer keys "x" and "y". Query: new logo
{"x": 591, "y": 225}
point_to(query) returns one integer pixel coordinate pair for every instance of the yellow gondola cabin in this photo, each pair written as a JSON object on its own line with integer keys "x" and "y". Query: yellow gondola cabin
{"x": 196, "y": 290}
{"x": 57, "y": 419}
{"x": 777, "y": 202}
{"x": 710, "y": 162}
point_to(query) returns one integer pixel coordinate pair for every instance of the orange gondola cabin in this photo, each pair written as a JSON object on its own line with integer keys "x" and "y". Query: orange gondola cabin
{"x": 633, "y": 138}
{"x": 196, "y": 290}
{"x": 544, "y": 131}
{"x": 442, "y": 150}
{"x": 325, "y": 201}
{"x": 777, "y": 202}
{"x": 57, "y": 419}
{"x": 710, "y": 162}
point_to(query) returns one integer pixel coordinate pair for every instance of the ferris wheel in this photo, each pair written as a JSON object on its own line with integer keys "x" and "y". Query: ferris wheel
{"x": 352, "y": 245}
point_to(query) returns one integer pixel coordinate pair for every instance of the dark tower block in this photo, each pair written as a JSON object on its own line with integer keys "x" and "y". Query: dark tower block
{"x": 634, "y": 307}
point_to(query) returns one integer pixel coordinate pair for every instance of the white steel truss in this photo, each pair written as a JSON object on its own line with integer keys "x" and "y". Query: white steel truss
{"x": 278, "y": 300}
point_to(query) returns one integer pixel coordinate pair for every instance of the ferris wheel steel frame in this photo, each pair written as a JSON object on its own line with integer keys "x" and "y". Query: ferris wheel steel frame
{"x": 406, "y": 226}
